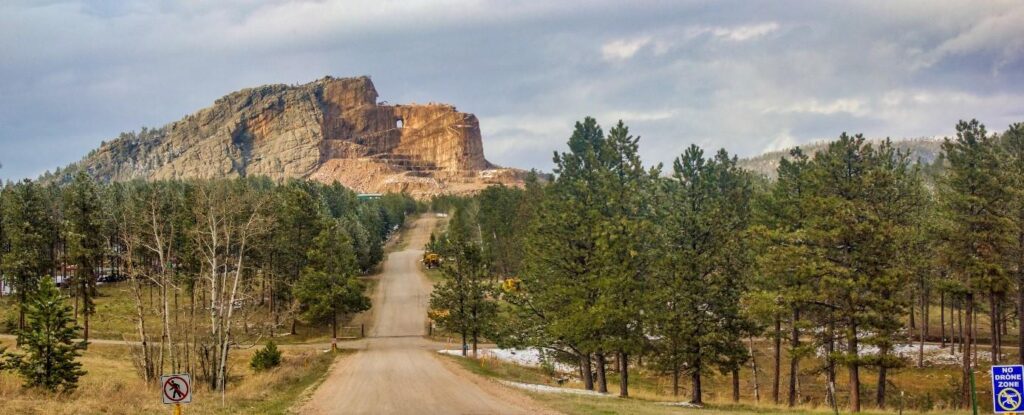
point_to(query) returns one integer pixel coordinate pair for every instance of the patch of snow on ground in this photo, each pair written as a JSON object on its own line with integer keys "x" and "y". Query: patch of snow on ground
{"x": 552, "y": 389}
{"x": 682, "y": 404}
{"x": 522, "y": 357}
{"x": 933, "y": 354}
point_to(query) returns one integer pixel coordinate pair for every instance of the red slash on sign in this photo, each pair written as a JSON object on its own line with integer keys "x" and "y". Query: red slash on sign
{"x": 176, "y": 388}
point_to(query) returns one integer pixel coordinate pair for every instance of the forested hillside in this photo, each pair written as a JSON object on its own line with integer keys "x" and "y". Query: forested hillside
{"x": 924, "y": 150}
{"x": 844, "y": 263}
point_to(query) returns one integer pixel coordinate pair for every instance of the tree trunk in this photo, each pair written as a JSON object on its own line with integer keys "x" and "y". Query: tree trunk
{"x": 794, "y": 359}
{"x": 753, "y": 369}
{"x": 942, "y": 320}
{"x": 475, "y": 341}
{"x": 960, "y": 325}
{"x": 602, "y": 381}
{"x": 830, "y": 349}
{"x": 854, "y": 368}
{"x": 993, "y": 326}
{"x": 585, "y": 372}
{"x": 465, "y": 344}
{"x": 334, "y": 332}
{"x": 882, "y": 369}
{"x": 623, "y": 375}
{"x": 85, "y": 310}
{"x": 777, "y": 350}
{"x": 675, "y": 381}
{"x": 974, "y": 333}
{"x": 735, "y": 384}
{"x": 965, "y": 389}
{"x": 696, "y": 396}
{"x": 921, "y": 336}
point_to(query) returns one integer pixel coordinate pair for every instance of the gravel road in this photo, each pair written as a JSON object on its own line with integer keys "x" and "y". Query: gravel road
{"x": 397, "y": 373}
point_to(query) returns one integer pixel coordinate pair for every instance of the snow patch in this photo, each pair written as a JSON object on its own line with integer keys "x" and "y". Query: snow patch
{"x": 522, "y": 357}
{"x": 551, "y": 389}
{"x": 933, "y": 353}
{"x": 682, "y": 404}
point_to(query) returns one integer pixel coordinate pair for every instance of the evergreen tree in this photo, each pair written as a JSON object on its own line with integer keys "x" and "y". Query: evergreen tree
{"x": 329, "y": 286}
{"x": 788, "y": 271}
{"x": 626, "y": 240}
{"x": 697, "y": 314}
{"x": 1013, "y": 147}
{"x": 50, "y": 351}
{"x": 85, "y": 239}
{"x": 463, "y": 302}
{"x": 975, "y": 201}
{"x": 864, "y": 209}
{"x": 29, "y": 231}
{"x": 560, "y": 283}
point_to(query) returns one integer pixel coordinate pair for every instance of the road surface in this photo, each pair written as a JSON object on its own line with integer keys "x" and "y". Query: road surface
{"x": 397, "y": 372}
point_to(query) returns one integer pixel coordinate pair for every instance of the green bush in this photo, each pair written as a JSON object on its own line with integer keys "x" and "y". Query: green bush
{"x": 266, "y": 358}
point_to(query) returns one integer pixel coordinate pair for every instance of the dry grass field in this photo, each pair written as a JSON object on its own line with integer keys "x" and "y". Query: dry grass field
{"x": 113, "y": 386}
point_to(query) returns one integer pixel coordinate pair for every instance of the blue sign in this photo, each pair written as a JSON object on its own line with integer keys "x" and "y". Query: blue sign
{"x": 1007, "y": 388}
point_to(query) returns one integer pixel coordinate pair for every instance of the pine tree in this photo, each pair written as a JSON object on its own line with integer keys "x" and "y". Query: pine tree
{"x": 29, "y": 231}
{"x": 50, "y": 351}
{"x": 697, "y": 301}
{"x": 328, "y": 286}
{"x": 560, "y": 285}
{"x": 463, "y": 302}
{"x": 1013, "y": 148}
{"x": 85, "y": 239}
{"x": 975, "y": 201}
{"x": 864, "y": 208}
{"x": 789, "y": 273}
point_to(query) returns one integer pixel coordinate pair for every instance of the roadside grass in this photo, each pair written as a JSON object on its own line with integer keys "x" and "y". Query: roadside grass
{"x": 112, "y": 385}
{"x": 434, "y": 275}
{"x": 928, "y": 390}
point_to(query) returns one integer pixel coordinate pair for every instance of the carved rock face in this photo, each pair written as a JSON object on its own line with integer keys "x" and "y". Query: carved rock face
{"x": 328, "y": 130}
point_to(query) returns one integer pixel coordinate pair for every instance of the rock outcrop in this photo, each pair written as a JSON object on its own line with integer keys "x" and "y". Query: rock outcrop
{"x": 330, "y": 129}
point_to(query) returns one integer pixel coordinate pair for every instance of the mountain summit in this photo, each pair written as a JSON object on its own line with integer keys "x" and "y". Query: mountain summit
{"x": 332, "y": 129}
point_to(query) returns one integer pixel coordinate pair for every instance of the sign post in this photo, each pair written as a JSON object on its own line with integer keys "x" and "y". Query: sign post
{"x": 1007, "y": 389}
{"x": 176, "y": 390}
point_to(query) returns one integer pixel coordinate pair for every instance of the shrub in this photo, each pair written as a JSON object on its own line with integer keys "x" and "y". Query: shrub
{"x": 266, "y": 358}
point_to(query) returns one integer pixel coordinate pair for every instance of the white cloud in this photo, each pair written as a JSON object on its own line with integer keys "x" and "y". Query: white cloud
{"x": 852, "y": 106}
{"x": 623, "y": 49}
{"x": 744, "y": 33}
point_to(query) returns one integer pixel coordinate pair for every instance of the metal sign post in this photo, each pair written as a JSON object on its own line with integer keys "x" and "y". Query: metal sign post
{"x": 1007, "y": 388}
{"x": 176, "y": 390}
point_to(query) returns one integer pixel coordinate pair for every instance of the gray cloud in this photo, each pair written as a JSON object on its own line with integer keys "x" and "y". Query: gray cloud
{"x": 720, "y": 74}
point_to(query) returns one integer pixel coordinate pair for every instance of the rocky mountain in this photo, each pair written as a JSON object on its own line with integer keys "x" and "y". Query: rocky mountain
{"x": 925, "y": 150}
{"x": 332, "y": 129}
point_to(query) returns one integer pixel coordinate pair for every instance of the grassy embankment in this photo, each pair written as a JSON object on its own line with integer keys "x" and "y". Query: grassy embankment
{"x": 650, "y": 393}
{"x": 112, "y": 385}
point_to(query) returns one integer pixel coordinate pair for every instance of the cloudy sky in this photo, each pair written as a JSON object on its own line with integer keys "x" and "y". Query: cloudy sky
{"x": 747, "y": 76}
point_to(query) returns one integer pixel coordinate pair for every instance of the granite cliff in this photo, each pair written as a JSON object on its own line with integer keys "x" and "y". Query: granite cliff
{"x": 330, "y": 129}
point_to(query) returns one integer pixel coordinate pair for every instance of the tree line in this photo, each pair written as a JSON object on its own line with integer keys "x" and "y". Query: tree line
{"x": 613, "y": 264}
{"x": 209, "y": 264}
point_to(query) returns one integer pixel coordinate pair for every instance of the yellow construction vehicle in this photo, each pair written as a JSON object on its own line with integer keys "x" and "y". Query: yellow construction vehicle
{"x": 431, "y": 260}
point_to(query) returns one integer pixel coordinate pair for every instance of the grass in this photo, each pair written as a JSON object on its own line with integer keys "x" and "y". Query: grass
{"x": 643, "y": 400}
{"x": 112, "y": 385}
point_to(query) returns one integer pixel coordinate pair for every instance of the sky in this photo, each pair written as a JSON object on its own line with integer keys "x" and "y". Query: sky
{"x": 747, "y": 76}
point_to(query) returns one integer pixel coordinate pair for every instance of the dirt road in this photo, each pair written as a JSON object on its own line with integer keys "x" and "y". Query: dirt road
{"x": 397, "y": 373}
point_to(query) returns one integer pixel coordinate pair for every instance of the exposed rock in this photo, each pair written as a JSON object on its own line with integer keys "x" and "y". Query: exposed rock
{"x": 330, "y": 129}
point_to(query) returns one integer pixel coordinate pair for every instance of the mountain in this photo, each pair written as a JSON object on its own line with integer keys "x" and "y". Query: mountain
{"x": 925, "y": 150}
{"x": 331, "y": 129}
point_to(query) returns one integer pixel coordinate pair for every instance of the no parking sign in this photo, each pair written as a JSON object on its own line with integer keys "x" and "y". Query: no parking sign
{"x": 1007, "y": 388}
